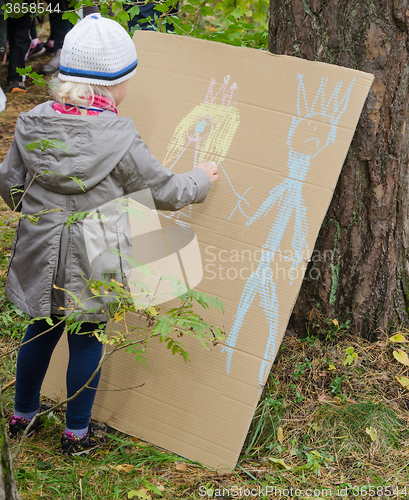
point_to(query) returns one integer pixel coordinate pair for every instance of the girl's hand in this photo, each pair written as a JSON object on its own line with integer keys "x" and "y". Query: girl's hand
{"x": 210, "y": 169}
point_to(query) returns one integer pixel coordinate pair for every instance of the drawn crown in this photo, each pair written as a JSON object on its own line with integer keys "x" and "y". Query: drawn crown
{"x": 223, "y": 95}
{"x": 333, "y": 108}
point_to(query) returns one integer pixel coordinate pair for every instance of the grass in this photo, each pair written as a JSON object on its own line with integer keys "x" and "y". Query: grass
{"x": 303, "y": 435}
{"x": 110, "y": 473}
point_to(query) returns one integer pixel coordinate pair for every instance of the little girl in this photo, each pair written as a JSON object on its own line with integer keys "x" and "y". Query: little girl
{"x": 108, "y": 157}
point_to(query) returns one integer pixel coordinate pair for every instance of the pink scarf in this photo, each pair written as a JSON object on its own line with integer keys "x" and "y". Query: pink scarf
{"x": 99, "y": 104}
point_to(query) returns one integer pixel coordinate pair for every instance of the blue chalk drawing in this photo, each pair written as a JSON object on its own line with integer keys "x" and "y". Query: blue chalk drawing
{"x": 310, "y": 132}
{"x": 240, "y": 198}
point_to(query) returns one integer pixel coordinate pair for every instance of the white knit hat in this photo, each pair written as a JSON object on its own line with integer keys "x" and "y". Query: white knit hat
{"x": 98, "y": 51}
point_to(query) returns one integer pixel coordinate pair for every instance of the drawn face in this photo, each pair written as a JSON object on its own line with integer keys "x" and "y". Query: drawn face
{"x": 200, "y": 128}
{"x": 311, "y": 135}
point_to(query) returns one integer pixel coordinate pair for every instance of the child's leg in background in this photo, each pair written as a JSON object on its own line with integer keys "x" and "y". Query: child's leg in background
{"x": 85, "y": 354}
{"x": 19, "y": 39}
{"x": 32, "y": 363}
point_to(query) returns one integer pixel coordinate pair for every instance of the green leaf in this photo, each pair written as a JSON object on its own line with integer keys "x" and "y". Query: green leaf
{"x": 122, "y": 16}
{"x": 152, "y": 487}
{"x": 161, "y": 7}
{"x": 80, "y": 183}
{"x": 27, "y": 71}
{"x": 72, "y": 17}
{"x": 78, "y": 216}
{"x": 133, "y": 11}
{"x": 237, "y": 13}
{"x": 206, "y": 11}
{"x": 163, "y": 326}
{"x": 74, "y": 297}
{"x": 45, "y": 144}
{"x": 44, "y": 465}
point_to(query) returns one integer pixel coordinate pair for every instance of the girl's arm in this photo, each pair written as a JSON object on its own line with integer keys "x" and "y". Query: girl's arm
{"x": 139, "y": 169}
{"x": 12, "y": 177}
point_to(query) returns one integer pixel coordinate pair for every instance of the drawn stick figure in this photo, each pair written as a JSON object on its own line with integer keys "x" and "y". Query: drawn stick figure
{"x": 310, "y": 132}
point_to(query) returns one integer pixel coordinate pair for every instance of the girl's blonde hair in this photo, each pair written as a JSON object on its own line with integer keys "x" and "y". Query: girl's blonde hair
{"x": 75, "y": 92}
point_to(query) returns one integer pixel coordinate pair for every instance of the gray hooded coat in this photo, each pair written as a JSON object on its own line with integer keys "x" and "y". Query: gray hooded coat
{"x": 109, "y": 157}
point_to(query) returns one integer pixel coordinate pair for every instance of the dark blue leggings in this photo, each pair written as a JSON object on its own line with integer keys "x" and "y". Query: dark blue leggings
{"x": 33, "y": 360}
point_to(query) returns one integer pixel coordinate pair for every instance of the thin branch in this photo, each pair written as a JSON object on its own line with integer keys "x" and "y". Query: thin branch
{"x": 117, "y": 390}
{"x": 25, "y": 192}
{"x": 10, "y": 384}
{"x": 105, "y": 356}
{"x": 28, "y": 341}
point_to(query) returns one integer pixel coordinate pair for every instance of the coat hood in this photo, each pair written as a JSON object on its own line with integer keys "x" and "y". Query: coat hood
{"x": 96, "y": 144}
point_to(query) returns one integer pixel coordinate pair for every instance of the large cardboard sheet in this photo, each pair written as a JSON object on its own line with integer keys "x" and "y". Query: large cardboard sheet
{"x": 279, "y": 129}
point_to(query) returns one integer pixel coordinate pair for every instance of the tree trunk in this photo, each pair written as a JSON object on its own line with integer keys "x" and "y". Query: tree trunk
{"x": 8, "y": 489}
{"x": 362, "y": 248}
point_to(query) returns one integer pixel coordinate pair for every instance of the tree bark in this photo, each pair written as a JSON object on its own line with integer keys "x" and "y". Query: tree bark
{"x": 362, "y": 248}
{"x": 8, "y": 489}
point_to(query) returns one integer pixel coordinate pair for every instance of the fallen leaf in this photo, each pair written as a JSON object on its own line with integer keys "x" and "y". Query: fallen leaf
{"x": 331, "y": 367}
{"x": 181, "y": 467}
{"x": 397, "y": 338}
{"x": 223, "y": 473}
{"x": 372, "y": 432}
{"x": 42, "y": 465}
{"x": 279, "y": 461}
{"x": 104, "y": 468}
{"x": 311, "y": 315}
{"x": 123, "y": 467}
{"x": 403, "y": 381}
{"x": 134, "y": 439}
{"x": 350, "y": 358}
{"x": 280, "y": 435}
{"x": 401, "y": 356}
{"x": 323, "y": 397}
{"x": 141, "y": 494}
{"x": 335, "y": 321}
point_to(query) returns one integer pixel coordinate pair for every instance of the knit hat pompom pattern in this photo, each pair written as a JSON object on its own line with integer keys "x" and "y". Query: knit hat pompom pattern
{"x": 97, "y": 51}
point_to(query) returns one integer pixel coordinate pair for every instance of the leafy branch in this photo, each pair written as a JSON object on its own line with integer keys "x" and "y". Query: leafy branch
{"x": 235, "y": 22}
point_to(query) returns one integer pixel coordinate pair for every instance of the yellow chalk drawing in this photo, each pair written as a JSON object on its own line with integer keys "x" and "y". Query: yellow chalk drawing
{"x": 209, "y": 128}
